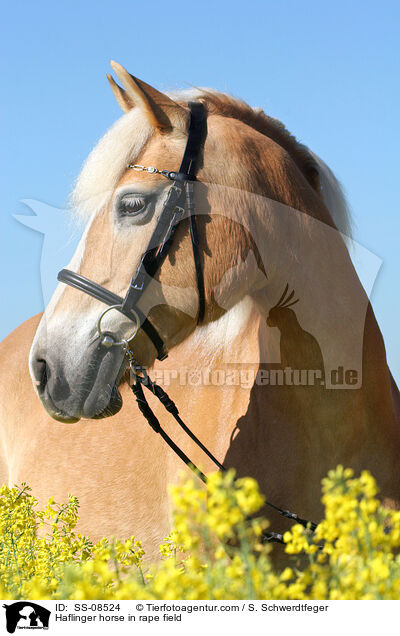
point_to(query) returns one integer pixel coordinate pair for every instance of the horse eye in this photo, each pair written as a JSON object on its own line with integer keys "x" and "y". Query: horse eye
{"x": 131, "y": 205}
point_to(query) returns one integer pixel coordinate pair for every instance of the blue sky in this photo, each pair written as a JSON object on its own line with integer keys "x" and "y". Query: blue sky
{"x": 328, "y": 70}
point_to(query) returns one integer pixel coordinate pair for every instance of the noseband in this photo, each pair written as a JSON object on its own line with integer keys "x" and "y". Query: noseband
{"x": 179, "y": 200}
{"x": 178, "y": 203}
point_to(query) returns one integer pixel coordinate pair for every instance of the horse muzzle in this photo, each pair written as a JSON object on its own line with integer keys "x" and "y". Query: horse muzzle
{"x": 88, "y": 390}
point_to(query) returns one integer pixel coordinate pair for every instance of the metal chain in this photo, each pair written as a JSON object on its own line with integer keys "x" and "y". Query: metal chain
{"x": 165, "y": 173}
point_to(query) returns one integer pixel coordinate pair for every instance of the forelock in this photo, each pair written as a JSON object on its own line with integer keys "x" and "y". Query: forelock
{"x": 107, "y": 162}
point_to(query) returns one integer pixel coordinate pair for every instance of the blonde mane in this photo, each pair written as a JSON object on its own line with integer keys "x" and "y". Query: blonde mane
{"x": 123, "y": 142}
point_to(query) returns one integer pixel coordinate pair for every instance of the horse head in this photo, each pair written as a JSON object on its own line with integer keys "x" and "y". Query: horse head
{"x": 75, "y": 375}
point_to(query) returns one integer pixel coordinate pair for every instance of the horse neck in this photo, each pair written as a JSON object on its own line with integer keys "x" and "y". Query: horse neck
{"x": 211, "y": 374}
{"x": 214, "y": 377}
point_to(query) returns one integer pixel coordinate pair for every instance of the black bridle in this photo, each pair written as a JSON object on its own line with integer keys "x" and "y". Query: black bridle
{"x": 179, "y": 200}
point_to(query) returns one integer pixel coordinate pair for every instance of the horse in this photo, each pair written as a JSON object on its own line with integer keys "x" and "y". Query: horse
{"x": 270, "y": 217}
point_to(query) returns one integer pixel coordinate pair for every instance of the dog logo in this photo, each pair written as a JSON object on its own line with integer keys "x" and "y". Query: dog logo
{"x": 26, "y": 615}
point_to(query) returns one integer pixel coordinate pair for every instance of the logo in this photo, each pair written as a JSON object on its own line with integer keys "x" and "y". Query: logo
{"x": 26, "y": 615}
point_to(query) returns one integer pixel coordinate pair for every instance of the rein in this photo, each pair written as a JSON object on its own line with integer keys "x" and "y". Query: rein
{"x": 140, "y": 380}
{"x": 179, "y": 200}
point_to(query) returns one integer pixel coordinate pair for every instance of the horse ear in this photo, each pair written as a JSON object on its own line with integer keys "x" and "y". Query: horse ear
{"x": 161, "y": 111}
{"x": 120, "y": 95}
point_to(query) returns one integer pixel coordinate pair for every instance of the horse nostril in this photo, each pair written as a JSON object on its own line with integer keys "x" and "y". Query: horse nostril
{"x": 42, "y": 373}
